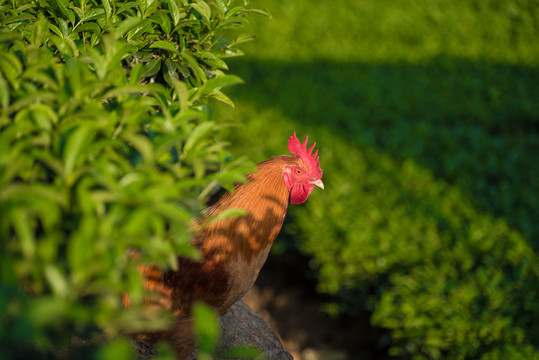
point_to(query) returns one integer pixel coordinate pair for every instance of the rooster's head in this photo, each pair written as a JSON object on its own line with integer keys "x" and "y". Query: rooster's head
{"x": 301, "y": 179}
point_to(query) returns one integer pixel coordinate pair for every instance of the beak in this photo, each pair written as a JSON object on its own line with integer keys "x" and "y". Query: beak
{"x": 318, "y": 183}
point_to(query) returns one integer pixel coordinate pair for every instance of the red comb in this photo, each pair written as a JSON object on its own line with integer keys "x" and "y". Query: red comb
{"x": 300, "y": 150}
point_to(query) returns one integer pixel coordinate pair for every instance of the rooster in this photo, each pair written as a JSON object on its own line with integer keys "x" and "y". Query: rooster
{"x": 234, "y": 249}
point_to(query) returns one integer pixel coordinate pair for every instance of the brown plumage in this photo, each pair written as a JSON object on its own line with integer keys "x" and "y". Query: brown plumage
{"x": 234, "y": 249}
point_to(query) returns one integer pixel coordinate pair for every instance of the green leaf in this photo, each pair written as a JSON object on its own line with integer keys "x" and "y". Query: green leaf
{"x": 126, "y": 90}
{"x": 11, "y": 68}
{"x": 129, "y": 5}
{"x": 219, "y": 82}
{"x": 200, "y": 132}
{"x": 174, "y": 11}
{"x": 93, "y": 14}
{"x": 242, "y": 352}
{"x": 56, "y": 279}
{"x": 219, "y": 96}
{"x": 241, "y": 38}
{"x": 46, "y": 309}
{"x": 80, "y": 249}
{"x": 4, "y": 93}
{"x": 211, "y": 60}
{"x": 183, "y": 96}
{"x": 116, "y": 349}
{"x": 151, "y": 67}
{"x": 78, "y": 11}
{"x": 143, "y": 146}
{"x": 204, "y": 10}
{"x": 170, "y": 72}
{"x": 222, "y": 5}
{"x": 206, "y": 326}
{"x": 127, "y": 25}
{"x": 165, "y": 45}
{"x": 55, "y": 29}
{"x": 108, "y": 9}
{"x": 76, "y": 143}
{"x": 76, "y": 76}
{"x": 173, "y": 211}
{"x": 90, "y": 27}
{"x": 28, "y": 100}
{"x": 9, "y": 36}
{"x": 40, "y": 31}
{"x": 19, "y": 18}
{"x": 195, "y": 67}
{"x": 63, "y": 7}
{"x": 262, "y": 11}
{"x": 164, "y": 22}
{"x": 34, "y": 191}
{"x": 227, "y": 214}
{"x": 135, "y": 74}
{"x": 25, "y": 234}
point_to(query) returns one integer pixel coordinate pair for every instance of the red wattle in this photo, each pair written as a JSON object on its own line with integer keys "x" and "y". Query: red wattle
{"x": 300, "y": 193}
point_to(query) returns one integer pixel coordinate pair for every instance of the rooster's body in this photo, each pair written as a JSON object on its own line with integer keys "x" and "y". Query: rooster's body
{"x": 234, "y": 249}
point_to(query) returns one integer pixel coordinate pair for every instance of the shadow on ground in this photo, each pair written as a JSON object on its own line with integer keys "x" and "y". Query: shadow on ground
{"x": 472, "y": 124}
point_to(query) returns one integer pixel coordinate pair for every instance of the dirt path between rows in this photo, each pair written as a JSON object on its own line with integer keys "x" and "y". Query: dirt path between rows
{"x": 294, "y": 310}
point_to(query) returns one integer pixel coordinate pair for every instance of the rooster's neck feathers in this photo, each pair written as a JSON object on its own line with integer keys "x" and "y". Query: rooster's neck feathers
{"x": 265, "y": 199}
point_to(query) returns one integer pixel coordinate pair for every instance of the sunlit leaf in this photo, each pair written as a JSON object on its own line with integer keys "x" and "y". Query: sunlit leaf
{"x": 126, "y": 90}
{"x": 142, "y": 144}
{"x": 195, "y": 67}
{"x": 219, "y": 96}
{"x": 116, "y": 349}
{"x": 94, "y": 13}
{"x": 25, "y": 235}
{"x": 181, "y": 92}
{"x": 174, "y": 11}
{"x": 227, "y": 214}
{"x": 222, "y": 5}
{"x": 261, "y": 11}
{"x": 4, "y": 93}
{"x": 204, "y": 10}
{"x": 47, "y": 309}
{"x": 126, "y": 26}
{"x": 152, "y": 67}
{"x": 63, "y": 7}
{"x": 75, "y": 145}
{"x": 173, "y": 211}
{"x": 165, "y": 45}
{"x": 56, "y": 279}
{"x": 206, "y": 326}
{"x": 108, "y": 9}
{"x": 197, "y": 134}
{"x": 242, "y": 352}
{"x": 220, "y": 82}
{"x": 241, "y": 38}
{"x": 41, "y": 31}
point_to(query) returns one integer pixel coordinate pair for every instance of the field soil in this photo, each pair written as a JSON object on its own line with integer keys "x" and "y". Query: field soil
{"x": 294, "y": 310}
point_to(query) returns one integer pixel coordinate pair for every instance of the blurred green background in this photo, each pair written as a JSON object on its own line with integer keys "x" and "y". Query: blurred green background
{"x": 426, "y": 114}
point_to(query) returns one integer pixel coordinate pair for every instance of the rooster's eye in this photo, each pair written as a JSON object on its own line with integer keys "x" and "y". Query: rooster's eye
{"x": 298, "y": 171}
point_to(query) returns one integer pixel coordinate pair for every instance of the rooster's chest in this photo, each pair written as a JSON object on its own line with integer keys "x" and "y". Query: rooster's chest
{"x": 242, "y": 274}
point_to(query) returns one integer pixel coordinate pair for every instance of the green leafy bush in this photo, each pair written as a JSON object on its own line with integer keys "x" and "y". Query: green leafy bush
{"x": 426, "y": 117}
{"x": 448, "y": 280}
{"x": 107, "y": 144}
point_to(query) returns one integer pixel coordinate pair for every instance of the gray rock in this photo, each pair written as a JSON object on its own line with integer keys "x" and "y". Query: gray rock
{"x": 241, "y": 326}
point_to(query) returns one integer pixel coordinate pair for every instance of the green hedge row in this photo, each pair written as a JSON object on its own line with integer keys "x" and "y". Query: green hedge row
{"x": 107, "y": 144}
{"x": 426, "y": 117}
